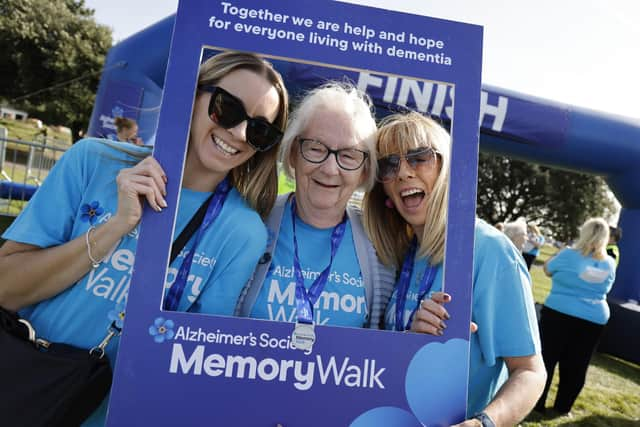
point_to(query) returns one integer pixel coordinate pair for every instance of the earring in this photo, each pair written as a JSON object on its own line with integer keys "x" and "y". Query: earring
{"x": 389, "y": 203}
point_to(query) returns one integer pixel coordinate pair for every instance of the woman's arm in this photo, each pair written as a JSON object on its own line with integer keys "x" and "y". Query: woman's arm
{"x": 29, "y": 274}
{"x": 518, "y": 394}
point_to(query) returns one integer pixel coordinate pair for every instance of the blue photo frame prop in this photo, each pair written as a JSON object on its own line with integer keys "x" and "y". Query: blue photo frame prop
{"x": 243, "y": 372}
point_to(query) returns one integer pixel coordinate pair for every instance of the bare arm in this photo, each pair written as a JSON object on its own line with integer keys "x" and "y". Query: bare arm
{"x": 52, "y": 270}
{"x": 518, "y": 394}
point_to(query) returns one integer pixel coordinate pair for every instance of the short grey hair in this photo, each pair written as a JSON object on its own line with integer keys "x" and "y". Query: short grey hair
{"x": 338, "y": 97}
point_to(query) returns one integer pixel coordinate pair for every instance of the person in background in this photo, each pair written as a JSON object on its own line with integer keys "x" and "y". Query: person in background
{"x": 78, "y": 234}
{"x": 576, "y": 311}
{"x": 405, "y": 215}
{"x": 517, "y": 232}
{"x": 615, "y": 234}
{"x": 532, "y": 245}
{"x": 329, "y": 150}
{"x": 127, "y": 130}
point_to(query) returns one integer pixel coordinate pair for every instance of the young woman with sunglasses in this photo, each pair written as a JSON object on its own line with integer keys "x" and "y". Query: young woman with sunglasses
{"x": 321, "y": 268}
{"x": 68, "y": 258}
{"x": 405, "y": 215}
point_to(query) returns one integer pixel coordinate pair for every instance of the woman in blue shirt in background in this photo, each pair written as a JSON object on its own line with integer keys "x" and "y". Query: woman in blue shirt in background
{"x": 576, "y": 311}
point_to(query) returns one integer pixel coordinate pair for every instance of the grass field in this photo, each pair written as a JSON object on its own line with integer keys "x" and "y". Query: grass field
{"x": 611, "y": 395}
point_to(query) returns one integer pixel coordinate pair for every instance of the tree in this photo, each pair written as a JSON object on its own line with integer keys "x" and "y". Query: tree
{"x": 558, "y": 200}
{"x": 53, "y": 52}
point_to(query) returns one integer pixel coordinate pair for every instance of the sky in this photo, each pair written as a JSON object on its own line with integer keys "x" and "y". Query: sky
{"x": 578, "y": 52}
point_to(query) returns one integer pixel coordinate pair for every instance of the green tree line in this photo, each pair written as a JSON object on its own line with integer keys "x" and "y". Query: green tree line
{"x": 52, "y": 55}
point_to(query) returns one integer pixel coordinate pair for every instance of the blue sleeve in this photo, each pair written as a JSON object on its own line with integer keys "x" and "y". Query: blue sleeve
{"x": 48, "y": 218}
{"x": 240, "y": 252}
{"x": 558, "y": 261}
{"x": 503, "y": 304}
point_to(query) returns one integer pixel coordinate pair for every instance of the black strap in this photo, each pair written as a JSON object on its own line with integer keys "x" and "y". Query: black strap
{"x": 188, "y": 231}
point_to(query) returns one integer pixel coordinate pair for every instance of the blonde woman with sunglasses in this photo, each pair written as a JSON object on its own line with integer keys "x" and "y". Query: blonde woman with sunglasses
{"x": 405, "y": 215}
{"x": 67, "y": 262}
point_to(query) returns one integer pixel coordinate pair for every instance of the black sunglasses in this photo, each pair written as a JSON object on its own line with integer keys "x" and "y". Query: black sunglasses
{"x": 228, "y": 111}
{"x": 389, "y": 166}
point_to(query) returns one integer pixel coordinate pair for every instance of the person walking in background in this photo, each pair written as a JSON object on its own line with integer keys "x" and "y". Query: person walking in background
{"x": 576, "y": 311}
{"x": 532, "y": 245}
{"x": 406, "y": 215}
{"x": 78, "y": 234}
{"x": 127, "y": 130}
{"x": 517, "y": 232}
{"x": 615, "y": 234}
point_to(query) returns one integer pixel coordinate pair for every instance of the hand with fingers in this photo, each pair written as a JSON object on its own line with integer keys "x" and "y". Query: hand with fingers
{"x": 146, "y": 180}
{"x": 431, "y": 315}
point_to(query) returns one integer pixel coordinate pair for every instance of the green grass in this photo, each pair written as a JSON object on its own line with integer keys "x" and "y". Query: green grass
{"x": 611, "y": 395}
{"x": 26, "y": 131}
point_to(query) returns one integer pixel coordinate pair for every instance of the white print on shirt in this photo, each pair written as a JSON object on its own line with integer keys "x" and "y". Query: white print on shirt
{"x": 285, "y": 300}
{"x": 594, "y": 275}
{"x": 308, "y": 274}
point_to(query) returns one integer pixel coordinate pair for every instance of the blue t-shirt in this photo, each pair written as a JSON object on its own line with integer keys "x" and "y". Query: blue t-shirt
{"x": 502, "y": 307}
{"x": 530, "y": 248}
{"x": 580, "y": 285}
{"x": 80, "y": 191}
{"x": 341, "y": 303}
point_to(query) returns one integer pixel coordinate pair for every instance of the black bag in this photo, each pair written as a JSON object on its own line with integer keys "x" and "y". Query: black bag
{"x": 47, "y": 384}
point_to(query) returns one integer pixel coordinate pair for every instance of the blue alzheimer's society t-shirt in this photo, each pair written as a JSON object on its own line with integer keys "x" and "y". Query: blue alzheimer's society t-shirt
{"x": 502, "y": 307}
{"x": 580, "y": 285}
{"x": 341, "y": 303}
{"x": 81, "y": 191}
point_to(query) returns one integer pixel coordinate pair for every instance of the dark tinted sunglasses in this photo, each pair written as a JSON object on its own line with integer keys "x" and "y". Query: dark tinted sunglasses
{"x": 228, "y": 111}
{"x": 389, "y": 166}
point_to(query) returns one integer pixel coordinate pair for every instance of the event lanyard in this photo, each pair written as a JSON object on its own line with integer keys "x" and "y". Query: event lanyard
{"x": 403, "y": 286}
{"x": 172, "y": 299}
{"x": 306, "y": 299}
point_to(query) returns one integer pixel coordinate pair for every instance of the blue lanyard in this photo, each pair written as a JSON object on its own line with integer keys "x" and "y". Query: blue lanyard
{"x": 172, "y": 299}
{"x": 306, "y": 299}
{"x": 402, "y": 286}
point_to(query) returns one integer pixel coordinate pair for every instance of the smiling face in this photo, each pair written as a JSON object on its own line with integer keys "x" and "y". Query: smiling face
{"x": 323, "y": 189}
{"x": 213, "y": 150}
{"x": 410, "y": 189}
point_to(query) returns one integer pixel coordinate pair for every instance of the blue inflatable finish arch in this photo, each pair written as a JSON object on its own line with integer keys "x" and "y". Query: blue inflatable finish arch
{"x": 512, "y": 124}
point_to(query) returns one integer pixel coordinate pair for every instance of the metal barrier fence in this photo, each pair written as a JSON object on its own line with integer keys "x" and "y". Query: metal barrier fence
{"x": 23, "y": 167}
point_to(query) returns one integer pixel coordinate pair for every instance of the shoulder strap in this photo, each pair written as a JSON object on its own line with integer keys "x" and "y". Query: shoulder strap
{"x": 254, "y": 285}
{"x": 188, "y": 231}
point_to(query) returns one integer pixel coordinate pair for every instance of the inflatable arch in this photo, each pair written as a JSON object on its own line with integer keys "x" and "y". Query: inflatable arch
{"x": 512, "y": 124}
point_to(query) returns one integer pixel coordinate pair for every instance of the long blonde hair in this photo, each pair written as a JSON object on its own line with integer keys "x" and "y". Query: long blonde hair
{"x": 594, "y": 236}
{"x": 256, "y": 179}
{"x": 388, "y": 231}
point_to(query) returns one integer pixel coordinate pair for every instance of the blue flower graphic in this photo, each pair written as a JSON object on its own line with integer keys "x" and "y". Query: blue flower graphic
{"x": 117, "y": 111}
{"x": 161, "y": 330}
{"x": 91, "y": 211}
{"x": 117, "y": 315}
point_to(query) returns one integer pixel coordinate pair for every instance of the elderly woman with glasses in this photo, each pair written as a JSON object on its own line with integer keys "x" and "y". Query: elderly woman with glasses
{"x": 405, "y": 215}
{"x": 320, "y": 267}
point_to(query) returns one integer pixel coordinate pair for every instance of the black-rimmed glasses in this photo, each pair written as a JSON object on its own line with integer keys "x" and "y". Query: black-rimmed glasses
{"x": 389, "y": 166}
{"x": 316, "y": 152}
{"x": 228, "y": 111}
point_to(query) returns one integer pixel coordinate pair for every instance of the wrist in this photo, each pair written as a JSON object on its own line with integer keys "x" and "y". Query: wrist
{"x": 484, "y": 420}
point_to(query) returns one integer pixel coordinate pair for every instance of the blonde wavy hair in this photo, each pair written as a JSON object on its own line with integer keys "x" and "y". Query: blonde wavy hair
{"x": 257, "y": 178}
{"x": 388, "y": 231}
{"x": 594, "y": 236}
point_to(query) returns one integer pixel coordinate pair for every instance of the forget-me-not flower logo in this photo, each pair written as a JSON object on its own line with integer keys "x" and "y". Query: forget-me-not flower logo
{"x": 91, "y": 212}
{"x": 117, "y": 315}
{"x": 161, "y": 330}
{"x": 117, "y": 111}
